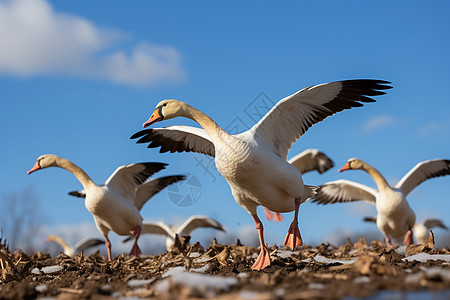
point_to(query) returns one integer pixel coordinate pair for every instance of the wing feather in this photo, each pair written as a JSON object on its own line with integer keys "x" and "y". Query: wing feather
{"x": 421, "y": 172}
{"x": 292, "y": 116}
{"x": 311, "y": 159}
{"x": 177, "y": 139}
{"x": 344, "y": 191}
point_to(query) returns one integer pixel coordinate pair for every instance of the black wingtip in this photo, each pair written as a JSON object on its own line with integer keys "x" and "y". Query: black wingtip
{"x": 140, "y": 133}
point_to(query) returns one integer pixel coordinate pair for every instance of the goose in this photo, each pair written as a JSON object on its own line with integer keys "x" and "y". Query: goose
{"x": 394, "y": 215}
{"x": 78, "y": 247}
{"x": 306, "y": 161}
{"x": 421, "y": 231}
{"x": 254, "y": 162}
{"x": 169, "y": 231}
{"x": 115, "y": 205}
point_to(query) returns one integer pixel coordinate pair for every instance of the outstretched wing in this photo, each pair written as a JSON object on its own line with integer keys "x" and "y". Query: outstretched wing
{"x": 195, "y": 222}
{"x": 154, "y": 228}
{"x": 431, "y": 223}
{"x": 344, "y": 191}
{"x": 292, "y": 116}
{"x": 421, "y": 172}
{"x": 87, "y": 243}
{"x": 126, "y": 179}
{"x": 177, "y": 139}
{"x": 311, "y": 159}
{"x": 154, "y": 186}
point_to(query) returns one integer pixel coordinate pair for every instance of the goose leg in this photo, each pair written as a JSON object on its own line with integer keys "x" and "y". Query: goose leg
{"x": 388, "y": 240}
{"x": 108, "y": 247}
{"x": 293, "y": 238}
{"x": 136, "y": 232}
{"x": 263, "y": 259}
{"x": 408, "y": 238}
{"x": 278, "y": 217}
{"x": 268, "y": 213}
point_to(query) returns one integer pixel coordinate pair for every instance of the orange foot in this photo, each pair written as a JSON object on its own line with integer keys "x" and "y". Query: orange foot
{"x": 408, "y": 238}
{"x": 293, "y": 238}
{"x": 263, "y": 259}
{"x": 278, "y": 217}
{"x": 136, "y": 251}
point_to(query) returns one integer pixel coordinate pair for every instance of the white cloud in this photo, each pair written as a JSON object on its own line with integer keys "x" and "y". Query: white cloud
{"x": 377, "y": 122}
{"x": 36, "y": 40}
{"x": 439, "y": 128}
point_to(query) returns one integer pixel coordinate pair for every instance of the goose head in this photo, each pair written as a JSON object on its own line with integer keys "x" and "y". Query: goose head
{"x": 353, "y": 164}
{"x": 44, "y": 161}
{"x": 165, "y": 110}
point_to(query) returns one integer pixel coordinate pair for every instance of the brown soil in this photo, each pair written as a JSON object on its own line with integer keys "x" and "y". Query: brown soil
{"x": 299, "y": 274}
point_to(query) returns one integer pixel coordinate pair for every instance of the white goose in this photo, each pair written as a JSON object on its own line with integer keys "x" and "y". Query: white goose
{"x": 421, "y": 231}
{"x": 78, "y": 247}
{"x": 255, "y": 162}
{"x": 169, "y": 231}
{"x": 115, "y": 205}
{"x": 394, "y": 218}
{"x": 306, "y": 161}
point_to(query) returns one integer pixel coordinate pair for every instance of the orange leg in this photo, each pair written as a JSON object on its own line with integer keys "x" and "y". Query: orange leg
{"x": 136, "y": 232}
{"x": 388, "y": 241}
{"x": 408, "y": 238}
{"x": 263, "y": 259}
{"x": 293, "y": 238}
{"x": 268, "y": 213}
{"x": 108, "y": 247}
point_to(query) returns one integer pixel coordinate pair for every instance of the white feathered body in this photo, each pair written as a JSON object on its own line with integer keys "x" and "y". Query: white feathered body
{"x": 117, "y": 213}
{"x": 395, "y": 216}
{"x": 256, "y": 175}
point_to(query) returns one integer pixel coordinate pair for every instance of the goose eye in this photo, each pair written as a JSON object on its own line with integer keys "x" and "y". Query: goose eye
{"x": 165, "y": 104}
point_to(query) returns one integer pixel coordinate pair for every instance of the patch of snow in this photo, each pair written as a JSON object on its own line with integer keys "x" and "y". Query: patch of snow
{"x": 279, "y": 292}
{"x": 323, "y": 259}
{"x": 351, "y": 252}
{"x": 316, "y": 286}
{"x": 414, "y": 278}
{"x": 437, "y": 272}
{"x": 362, "y": 279}
{"x": 203, "y": 259}
{"x": 202, "y": 269}
{"x": 41, "y": 288}
{"x": 424, "y": 257}
{"x": 246, "y": 294}
{"x": 401, "y": 250}
{"x": 173, "y": 271}
{"x": 284, "y": 253}
{"x": 194, "y": 255}
{"x": 243, "y": 275}
{"x": 206, "y": 283}
{"x": 255, "y": 255}
{"x": 139, "y": 282}
{"x": 307, "y": 260}
{"x": 35, "y": 271}
{"x": 52, "y": 269}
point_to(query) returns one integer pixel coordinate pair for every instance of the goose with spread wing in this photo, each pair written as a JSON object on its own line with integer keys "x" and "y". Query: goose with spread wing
{"x": 114, "y": 205}
{"x": 82, "y": 245}
{"x": 169, "y": 231}
{"x": 306, "y": 161}
{"x": 254, "y": 162}
{"x": 395, "y": 218}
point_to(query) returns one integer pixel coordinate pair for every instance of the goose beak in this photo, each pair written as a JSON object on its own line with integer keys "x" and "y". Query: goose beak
{"x": 156, "y": 117}
{"x": 346, "y": 167}
{"x": 35, "y": 168}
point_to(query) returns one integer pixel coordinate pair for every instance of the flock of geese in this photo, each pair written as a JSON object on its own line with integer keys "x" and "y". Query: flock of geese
{"x": 255, "y": 164}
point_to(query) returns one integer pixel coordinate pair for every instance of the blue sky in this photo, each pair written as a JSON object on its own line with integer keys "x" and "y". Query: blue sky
{"x": 79, "y": 78}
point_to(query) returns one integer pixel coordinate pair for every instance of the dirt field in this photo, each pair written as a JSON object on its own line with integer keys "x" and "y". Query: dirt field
{"x": 223, "y": 272}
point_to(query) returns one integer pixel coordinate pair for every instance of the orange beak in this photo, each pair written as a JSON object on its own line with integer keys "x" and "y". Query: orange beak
{"x": 346, "y": 167}
{"x": 34, "y": 168}
{"x": 156, "y": 117}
